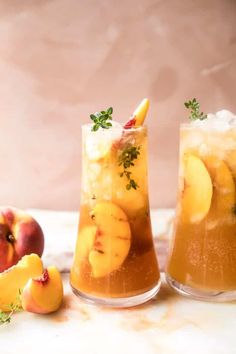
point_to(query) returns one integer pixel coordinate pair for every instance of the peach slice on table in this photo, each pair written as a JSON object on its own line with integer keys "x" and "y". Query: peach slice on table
{"x": 197, "y": 193}
{"x": 14, "y": 279}
{"x": 223, "y": 199}
{"x": 111, "y": 242}
{"x": 139, "y": 115}
{"x": 43, "y": 294}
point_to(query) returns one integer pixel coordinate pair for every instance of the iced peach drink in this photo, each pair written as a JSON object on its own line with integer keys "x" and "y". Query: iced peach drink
{"x": 115, "y": 261}
{"x": 202, "y": 260}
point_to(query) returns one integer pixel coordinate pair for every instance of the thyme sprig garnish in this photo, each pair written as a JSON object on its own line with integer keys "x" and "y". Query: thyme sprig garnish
{"x": 195, "y": 112}
{"x": 101, "y": 119}
{"x": 5, "y": 317}
{"x": 125, "y": 159}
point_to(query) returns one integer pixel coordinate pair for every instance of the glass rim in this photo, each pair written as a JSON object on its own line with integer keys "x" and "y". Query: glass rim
{"x": 87, "y": 127}
{"x": 202, "y": 127}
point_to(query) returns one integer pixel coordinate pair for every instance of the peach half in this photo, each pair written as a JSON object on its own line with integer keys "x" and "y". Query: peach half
{"x": 43, "y": 294}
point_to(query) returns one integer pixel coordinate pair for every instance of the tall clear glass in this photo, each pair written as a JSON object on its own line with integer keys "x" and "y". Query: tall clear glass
{"x": 115, "y": 262}
{"x": 202, "y": 257}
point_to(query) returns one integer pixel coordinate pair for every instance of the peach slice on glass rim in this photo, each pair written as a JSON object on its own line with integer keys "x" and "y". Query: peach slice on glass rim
{"x": 139, "y": 115}
{"x": 43, "y": 294}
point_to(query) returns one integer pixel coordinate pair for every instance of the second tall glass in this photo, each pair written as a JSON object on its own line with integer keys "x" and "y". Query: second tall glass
{"x": 202, "y": 259}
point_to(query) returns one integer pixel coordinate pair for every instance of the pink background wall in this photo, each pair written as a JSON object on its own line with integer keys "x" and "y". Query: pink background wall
{"x": 61, "y": 60}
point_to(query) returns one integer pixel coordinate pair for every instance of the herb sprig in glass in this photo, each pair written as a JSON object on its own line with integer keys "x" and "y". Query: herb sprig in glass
{"x": 195, "y": 112}
{"x": 125, "y": 159}
{"x": 102, "y": 119}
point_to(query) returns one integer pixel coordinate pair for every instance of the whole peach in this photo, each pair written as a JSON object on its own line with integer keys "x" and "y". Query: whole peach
{"x": 20, "y": 235}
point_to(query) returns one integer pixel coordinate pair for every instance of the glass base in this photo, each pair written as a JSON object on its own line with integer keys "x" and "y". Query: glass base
{"x": 121, "y": 302}
{"x": 214, "y": 296}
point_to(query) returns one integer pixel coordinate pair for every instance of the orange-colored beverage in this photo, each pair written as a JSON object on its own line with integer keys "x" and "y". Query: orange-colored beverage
{"x": 115, "y": 261}
{"x": 202, "y": 259}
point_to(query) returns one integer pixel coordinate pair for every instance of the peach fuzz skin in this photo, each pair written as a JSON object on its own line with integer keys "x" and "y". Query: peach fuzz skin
{"x": 44, "y": 294}
{"x": 20, "y": 235}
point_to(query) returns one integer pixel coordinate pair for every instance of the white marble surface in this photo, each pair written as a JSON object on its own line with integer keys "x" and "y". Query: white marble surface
{"x": 170, "y": 324}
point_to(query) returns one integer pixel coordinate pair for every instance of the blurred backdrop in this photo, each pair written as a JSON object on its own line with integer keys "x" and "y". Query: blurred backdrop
{"x": 61, "y": 60}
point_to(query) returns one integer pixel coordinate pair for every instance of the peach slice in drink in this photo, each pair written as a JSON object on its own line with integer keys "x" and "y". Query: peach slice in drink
{"x": 223, "y": 199}
{"x": 131, "y": 201}
{"x": 112, "y": 239}
{"x": 230, "y": 160}
{"x": 107, "y": 242}
{"x": 85, "y": 242}
{"x": 197, "y": 192}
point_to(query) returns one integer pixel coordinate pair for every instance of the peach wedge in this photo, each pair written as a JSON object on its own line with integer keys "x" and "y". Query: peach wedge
{"x": 131, "y": 201}
{"x": 138, "y": 117}
{"x": 197, "y": 192}
{"x": 85, "y": 242}
{"x": 223, "y": 198}
{"x": 43, "y": 294}
{"x": 14, "y": 279}
{"x": 141, "y": 112}
{"x": 112, "y": 240}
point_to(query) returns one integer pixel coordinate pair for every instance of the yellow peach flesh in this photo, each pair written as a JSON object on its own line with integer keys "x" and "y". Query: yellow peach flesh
{"x": 141, "y": 112}
{"x": 43, "y": 295}
{"x": 14, "y": 279}
{"x": 223, "y": 199}
{"x": 197, "y": 193}
{"x": 85, "y": 241}
{"x": 112, "y": 241}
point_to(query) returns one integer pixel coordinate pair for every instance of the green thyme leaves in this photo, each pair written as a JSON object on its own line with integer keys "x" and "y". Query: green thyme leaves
{"x": 102, "y": 119}
{"x": 5, "y": 317}
{"x": 195, "y": 112}
{"x": 126, "y": 160}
